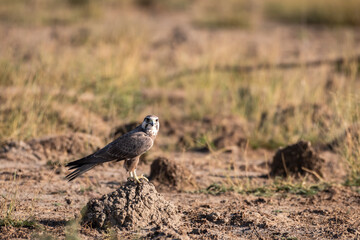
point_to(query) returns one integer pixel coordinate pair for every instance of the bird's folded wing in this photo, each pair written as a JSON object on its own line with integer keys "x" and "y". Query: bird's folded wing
{"x": 125, "y": 147}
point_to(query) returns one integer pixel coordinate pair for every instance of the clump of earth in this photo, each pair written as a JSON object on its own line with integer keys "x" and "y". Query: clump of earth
{"x": 132, "y": 206}
{"x": 170, "y": 173}
{"x": 297, "y": 160}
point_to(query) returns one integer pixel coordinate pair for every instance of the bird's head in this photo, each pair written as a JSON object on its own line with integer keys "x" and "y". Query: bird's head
{"x": 151, "y": 125}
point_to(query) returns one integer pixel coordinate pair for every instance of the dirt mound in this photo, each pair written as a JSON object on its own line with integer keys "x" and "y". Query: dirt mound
{"x": 171, "y": 174}
{"x": 60, "y": 148}
{"x": 296, "y": 160}
{"x": 132, "y": 206}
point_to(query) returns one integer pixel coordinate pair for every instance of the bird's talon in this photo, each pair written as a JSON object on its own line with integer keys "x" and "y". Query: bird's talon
{"x": 137, "y": 178}
{"x": 143, "y": 177}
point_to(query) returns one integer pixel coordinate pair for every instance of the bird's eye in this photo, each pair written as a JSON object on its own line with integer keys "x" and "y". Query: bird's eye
{"x": 157, "y": 120}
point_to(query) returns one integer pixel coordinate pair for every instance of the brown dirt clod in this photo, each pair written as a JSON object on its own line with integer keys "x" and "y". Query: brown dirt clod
{"x": 170, "y": 173}
{"x": 296, "y": 160}
{"x": 132, "y": 206}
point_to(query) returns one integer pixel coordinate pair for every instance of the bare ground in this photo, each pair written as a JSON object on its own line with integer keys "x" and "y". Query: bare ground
{"x": 37, "y": 191}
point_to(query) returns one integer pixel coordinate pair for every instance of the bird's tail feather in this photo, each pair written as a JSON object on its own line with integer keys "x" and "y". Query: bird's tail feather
{"x": 83, "y": 165}
{"x": 80, "y": 169}
{"x": 85, "y": 160}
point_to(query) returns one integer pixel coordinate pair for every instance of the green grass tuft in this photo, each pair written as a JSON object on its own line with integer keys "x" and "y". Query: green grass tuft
{"x": 18, "y": 223}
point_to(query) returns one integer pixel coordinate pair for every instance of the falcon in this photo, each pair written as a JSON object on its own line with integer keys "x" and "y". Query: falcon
{"x": 129, "y": 147}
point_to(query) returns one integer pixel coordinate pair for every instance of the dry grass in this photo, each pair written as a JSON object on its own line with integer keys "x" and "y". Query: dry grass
{"x": 8, "y": 208}
{"x": 349, "y": 144}
{"x": 77, "y": 55}
{"x": 40, "y": 12}
{"x": 218, "y": 15}
{"x": 282, "y": 187}
{"x": 329, "y": 12}
{"x": 163, "y": 5}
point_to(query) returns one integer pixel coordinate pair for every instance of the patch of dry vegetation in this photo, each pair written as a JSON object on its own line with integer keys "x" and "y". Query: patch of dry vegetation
{"x": 348, "y": 145}
{"x": 8, "y": 207}
{"x": 40, "y": 12}
{"x": 218, "y": 15}
{"x": 92, "y": 66}
{"x": 278, "y": 187}
{"x": 163, "y": 5}
{"x": 329, "y": 12}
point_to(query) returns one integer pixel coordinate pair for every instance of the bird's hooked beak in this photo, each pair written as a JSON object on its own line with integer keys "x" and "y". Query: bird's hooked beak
{"x": 150, "y": 123}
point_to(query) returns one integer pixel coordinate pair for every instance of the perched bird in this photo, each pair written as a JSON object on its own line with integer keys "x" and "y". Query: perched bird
{"x": 128, "y": 147}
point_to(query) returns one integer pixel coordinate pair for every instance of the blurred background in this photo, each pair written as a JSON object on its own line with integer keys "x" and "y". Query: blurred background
{"x": 231, "y": 82}
{"x": 271, "y": 71}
